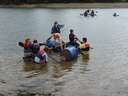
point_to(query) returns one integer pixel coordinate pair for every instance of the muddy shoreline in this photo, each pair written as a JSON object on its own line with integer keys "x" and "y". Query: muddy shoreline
{"x": 69, "y": 5}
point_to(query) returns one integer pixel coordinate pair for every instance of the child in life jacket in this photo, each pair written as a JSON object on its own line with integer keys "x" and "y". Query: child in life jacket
{"x": 27, "y": 48}
{"x": 41, "y": 56}
{"x": 84, "y": 44}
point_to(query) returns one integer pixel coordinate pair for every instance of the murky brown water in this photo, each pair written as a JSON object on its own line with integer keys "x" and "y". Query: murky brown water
{"x": 101, "y": 72}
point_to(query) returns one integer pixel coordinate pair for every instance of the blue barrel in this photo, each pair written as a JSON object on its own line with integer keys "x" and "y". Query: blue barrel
{"x": 70, "y": 53}
{"x": 52, "y": 43}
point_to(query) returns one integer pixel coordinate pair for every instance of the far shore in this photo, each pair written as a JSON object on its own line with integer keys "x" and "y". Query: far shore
{"x": 69, "y": 5}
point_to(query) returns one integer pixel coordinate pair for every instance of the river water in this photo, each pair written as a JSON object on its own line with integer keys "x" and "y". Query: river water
{"x": 103, "y": 71}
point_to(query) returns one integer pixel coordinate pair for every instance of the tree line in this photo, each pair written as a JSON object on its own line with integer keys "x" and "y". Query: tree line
{"x": 56, "y": 1}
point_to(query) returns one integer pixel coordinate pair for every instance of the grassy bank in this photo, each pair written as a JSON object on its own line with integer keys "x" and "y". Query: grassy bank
{"x": 69, "y": 5}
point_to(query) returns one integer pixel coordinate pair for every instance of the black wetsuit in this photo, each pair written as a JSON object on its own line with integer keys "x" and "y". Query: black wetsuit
{"x": 55, "y": 29}
{"x": 92, "y": 13}
{"x": 35, "y": 48}
{"x": 85, "y": 14}
{"x": 71, "y": 37}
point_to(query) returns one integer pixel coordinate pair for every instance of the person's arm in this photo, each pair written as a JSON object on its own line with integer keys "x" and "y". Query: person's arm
{"x": 52, "y": 30}
{"x": 21, "y": 44}
{"x": 60, "y": 26}
{"x": 76, "y": 38}
{"x": 49, "y": 38}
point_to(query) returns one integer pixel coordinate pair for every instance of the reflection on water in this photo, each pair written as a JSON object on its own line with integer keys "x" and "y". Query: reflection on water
{"x": 60, "y": 69}
{"x": 67, "y": 66}
{"x": 32, "y": 66}
{"x": 57, "y": 72}
{"x": 85, "y": 57}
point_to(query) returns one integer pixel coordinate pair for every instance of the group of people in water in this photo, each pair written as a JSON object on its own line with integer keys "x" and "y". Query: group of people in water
{"x": 38, "y": 51}
{"x": 93, "y": 13}
{"x": 89, "y": 13}
{"x": 34, "y": 51}
{"x": 115, "y": 14}
{"x": 73, "y": 40}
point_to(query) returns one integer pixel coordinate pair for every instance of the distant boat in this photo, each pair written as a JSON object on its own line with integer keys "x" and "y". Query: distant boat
{"x": 89, "y": 13}
{"x": 115, "y": 15}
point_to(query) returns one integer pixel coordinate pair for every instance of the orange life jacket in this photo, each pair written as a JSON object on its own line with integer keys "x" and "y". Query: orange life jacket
{"x": 85, "y": 45}
{"x": 56, "y": 36}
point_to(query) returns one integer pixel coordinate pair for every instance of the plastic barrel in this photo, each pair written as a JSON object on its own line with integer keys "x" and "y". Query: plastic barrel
{"x": 70, "y": 53}
{"x": 51, "y": 43}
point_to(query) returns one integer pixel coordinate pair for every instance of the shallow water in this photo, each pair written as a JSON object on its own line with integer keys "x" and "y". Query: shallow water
{"x": 100, "y": 72}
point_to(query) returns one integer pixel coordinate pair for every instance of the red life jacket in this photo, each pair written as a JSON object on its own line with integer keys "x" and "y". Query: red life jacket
{"x": 27, "y": 44}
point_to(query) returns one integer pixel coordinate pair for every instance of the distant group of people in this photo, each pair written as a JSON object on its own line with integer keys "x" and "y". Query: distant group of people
{"x": 89, "y": 13}
{"x": 115, "y": 14}
{"x": 93, "y": 13}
